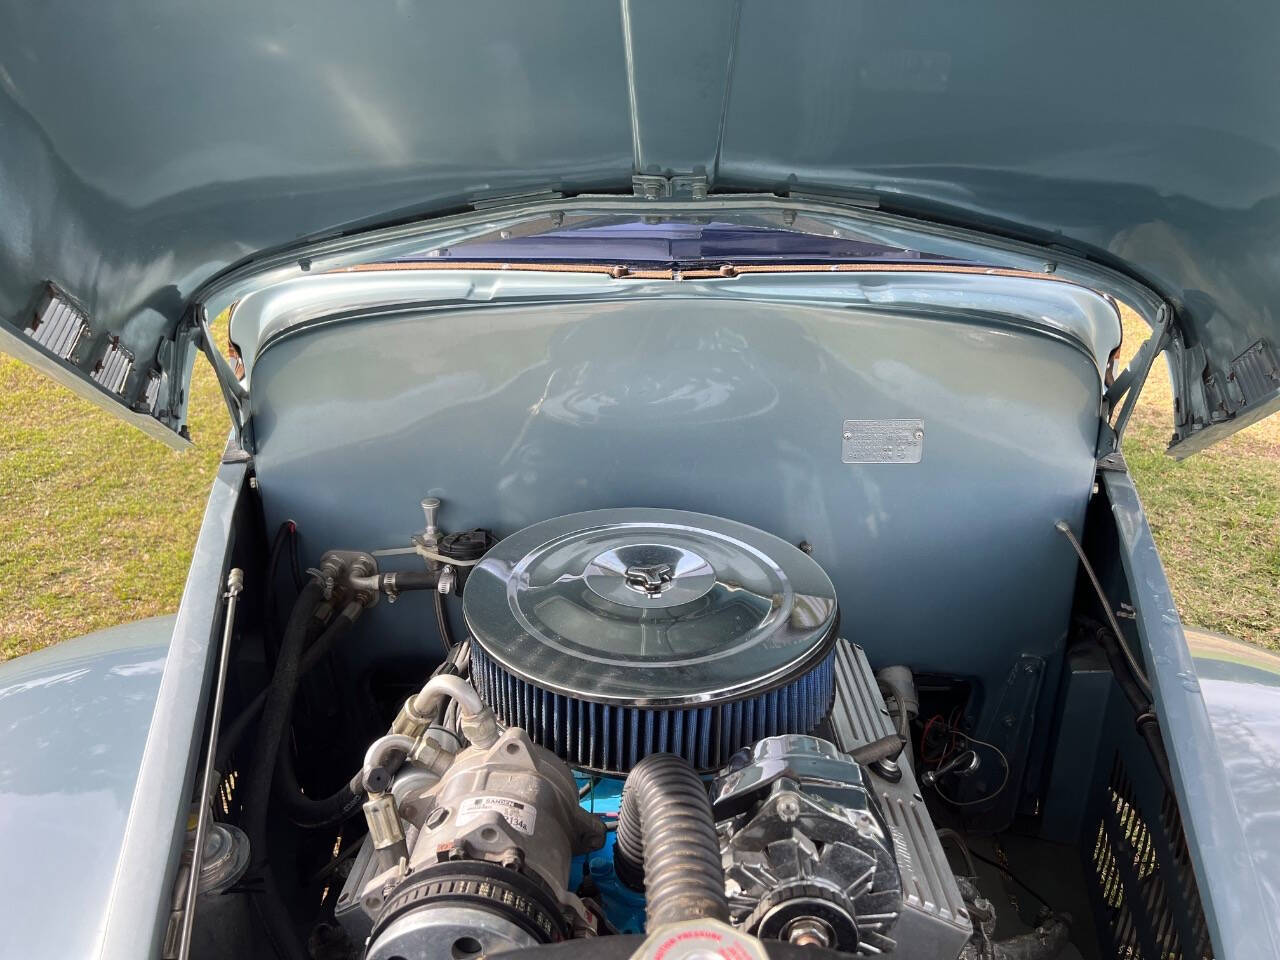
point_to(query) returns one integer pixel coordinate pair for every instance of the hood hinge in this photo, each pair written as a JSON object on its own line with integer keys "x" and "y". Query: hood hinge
{"x": 1128, "y": 385}
{"x": 234, "y": 394}
{"x": 681, "y": 186}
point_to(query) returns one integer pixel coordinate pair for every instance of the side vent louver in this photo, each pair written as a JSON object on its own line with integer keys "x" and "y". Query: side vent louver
{"x": 113, "y": 369}
{"x": 1145, "y": 887}
{"x": 151, "y": 398}
{"x": 124, "y": 367}
{"x": 57, "y": 326}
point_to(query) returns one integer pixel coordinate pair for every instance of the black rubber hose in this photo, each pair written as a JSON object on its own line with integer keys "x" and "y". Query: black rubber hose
{"x": 276, "y": 711}
{"x": 442, "y": 624}
{"x": 667, "y": 842}
{"x": 295, "y": 562}
{"x": 402, "y": 581}
{"x": 257, "y": 796}
{"x": 305, "y": 811}
{"x": 234, "y": 732}
{"x": 273, "y": 563}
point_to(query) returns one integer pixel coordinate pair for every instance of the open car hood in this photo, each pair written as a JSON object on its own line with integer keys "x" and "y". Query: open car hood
{"x": 146, "y": 147}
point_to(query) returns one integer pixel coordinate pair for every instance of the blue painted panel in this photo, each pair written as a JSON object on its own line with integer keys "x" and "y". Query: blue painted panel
{"x": 1241, "y": 689}
{"x": 518, "y": 413}
{"x": 75, "y": 719}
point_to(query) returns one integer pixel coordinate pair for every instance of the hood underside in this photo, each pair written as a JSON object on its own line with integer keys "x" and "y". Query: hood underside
{"x": 146, "y": 148}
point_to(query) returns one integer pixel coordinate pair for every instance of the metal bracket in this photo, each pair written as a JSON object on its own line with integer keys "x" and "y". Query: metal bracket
{"x": 1131, "y": 380}
{"x": 1009, "y": 727}
{"x": 234, "y": 394}
{"x": 682, "y": 186}
{"x": 234, "y": 453}
{"x": 1113, "y": 461}
{"x": 347, "y": 572}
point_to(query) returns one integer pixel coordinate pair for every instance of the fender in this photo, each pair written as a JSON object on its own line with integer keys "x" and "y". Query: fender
{"x": 75, "y": 719}
{"x": 1241, "y": 688}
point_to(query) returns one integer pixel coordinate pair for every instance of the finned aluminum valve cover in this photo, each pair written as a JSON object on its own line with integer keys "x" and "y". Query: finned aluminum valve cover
{"x": 616, "y": 633}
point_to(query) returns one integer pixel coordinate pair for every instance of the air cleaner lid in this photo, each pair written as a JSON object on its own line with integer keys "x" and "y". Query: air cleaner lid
{"x": 650, "y": 607}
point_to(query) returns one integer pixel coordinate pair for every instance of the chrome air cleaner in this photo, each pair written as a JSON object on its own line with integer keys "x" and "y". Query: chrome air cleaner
{"x": 614, "y": 634}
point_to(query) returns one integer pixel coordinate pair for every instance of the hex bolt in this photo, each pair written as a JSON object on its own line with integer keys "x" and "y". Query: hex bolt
{"x": 809, "y": 932}
{"x": 788, "y": 808}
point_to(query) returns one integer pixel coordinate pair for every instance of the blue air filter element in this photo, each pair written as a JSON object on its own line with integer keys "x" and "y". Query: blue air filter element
{"x": 614, "y": 634}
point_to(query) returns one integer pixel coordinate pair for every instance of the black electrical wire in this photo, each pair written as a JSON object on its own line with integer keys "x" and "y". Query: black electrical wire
{"x": 1134, "y": 667}
{"x": 442, "y": 623}
{"x": 1128, "y": 672}
{"x": 441, "y": 728}
{"x": 1013, "y": 877}
{"x": 945, "y": 834}
{"x": 347, "y": 852}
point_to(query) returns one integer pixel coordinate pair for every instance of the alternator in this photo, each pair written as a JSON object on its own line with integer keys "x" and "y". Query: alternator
{"x": 808, "y": 857}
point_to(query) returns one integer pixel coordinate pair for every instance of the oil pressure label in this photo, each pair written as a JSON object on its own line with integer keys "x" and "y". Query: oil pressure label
{"x": 520, "y": 816}
{"x": 883, "y": 441}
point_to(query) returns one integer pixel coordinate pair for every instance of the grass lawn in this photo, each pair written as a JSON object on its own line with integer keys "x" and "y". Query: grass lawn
{"x": 97, "y": 521}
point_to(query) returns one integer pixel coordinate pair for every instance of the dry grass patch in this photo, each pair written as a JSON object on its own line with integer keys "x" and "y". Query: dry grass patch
{"x": 1215, "y": 516}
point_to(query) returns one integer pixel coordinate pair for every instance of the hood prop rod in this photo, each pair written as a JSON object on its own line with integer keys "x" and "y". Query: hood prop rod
{"x": 235, "y": 584}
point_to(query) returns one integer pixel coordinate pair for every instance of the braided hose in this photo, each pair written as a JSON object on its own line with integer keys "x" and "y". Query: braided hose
{"x": 667, "y": 842}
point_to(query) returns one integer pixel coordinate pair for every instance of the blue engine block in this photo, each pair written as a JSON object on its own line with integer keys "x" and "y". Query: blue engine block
{"x": 623, "y": 906}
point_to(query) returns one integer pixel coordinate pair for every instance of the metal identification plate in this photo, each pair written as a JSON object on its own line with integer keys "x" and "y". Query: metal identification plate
{"x": 883, "y": 441}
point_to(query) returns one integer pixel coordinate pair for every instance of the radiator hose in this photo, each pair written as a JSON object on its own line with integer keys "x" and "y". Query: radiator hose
{"x": 667, "y": 842}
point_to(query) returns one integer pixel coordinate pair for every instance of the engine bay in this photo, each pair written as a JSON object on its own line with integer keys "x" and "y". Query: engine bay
{"x": 651, "y": 722}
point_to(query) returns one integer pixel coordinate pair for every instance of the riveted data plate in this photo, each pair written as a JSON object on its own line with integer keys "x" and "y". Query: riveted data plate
{"x": 883, "y": 441}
